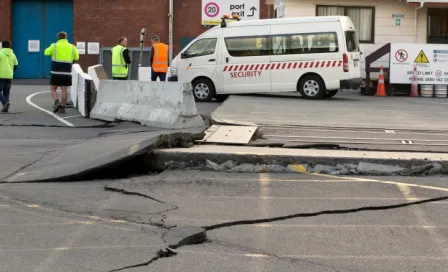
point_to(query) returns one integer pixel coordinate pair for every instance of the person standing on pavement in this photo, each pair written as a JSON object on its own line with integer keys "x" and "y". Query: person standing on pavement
{"x": 121, "y": 59}
{"x": 63, "y": 54}
{"x": 8, "y": 65}
{"x": 159, "y": 59}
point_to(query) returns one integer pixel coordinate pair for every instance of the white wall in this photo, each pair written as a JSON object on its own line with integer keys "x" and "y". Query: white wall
{"x": 385, "y": 29}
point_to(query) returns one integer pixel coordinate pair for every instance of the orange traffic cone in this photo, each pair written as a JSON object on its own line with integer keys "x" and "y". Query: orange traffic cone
{"x": 381, "y": 89}
{"x": 414, "y": 87}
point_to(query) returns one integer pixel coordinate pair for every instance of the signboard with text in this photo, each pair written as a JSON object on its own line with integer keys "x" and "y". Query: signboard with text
{"x": 431, "y": 61}
{"x": 213, "y": 10}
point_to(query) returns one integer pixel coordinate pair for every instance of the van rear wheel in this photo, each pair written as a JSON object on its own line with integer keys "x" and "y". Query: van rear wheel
{"x": 331, "y": 93}
{"x": 312, "y": 87}
{"x": 203, "y": 90}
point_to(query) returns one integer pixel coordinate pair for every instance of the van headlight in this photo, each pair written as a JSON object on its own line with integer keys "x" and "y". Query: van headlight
{"x": 173, "y": 71}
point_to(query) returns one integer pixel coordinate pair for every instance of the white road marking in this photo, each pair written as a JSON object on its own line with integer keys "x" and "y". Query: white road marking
{"x": 325, "y": 257}
{"x": 73, "y": 116}
{"x": 265, "y": 209}
{"x": 436, "y": 237}
{"x": 82, "y": 248}
{"x": 28, "y": 100}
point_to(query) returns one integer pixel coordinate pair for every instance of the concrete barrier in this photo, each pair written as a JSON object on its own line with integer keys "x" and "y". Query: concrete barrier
{"x": 168, "y": 105}
{"x": 81, "y": 91}
{"x": 97, "y": 73}
{"x": 76, "y": 71}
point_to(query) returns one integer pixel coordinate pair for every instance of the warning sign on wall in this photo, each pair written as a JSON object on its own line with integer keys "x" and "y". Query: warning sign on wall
{"x": 431, "y": 61}
{"x": 421, "y": 58}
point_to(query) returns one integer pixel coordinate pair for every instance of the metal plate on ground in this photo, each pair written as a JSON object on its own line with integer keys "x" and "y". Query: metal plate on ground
{"x": 229, "y": 134}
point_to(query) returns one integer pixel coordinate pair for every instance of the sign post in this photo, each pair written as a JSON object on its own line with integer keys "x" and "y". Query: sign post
{"x": 213, "y": 10}
{"x": 431, "y": 61}
{"x": 142, "y": 41}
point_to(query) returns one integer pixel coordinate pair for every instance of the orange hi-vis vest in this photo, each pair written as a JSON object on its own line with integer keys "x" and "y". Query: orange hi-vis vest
{"x": 160, "y": 60}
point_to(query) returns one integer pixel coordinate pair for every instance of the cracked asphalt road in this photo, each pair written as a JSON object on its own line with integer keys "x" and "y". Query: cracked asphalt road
{"x": 128, "y": 226}
{"x": 106, "y": 225}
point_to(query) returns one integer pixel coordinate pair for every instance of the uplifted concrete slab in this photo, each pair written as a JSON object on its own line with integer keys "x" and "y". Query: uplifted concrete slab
{"x": 83, "y": 158}
{"x": 346, "y": 110}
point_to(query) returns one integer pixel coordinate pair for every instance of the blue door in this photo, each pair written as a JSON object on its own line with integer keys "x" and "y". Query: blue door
{"x": 38, "y": 21}
{"x": 27, "y": 26}
{"x": 58, "y": 16}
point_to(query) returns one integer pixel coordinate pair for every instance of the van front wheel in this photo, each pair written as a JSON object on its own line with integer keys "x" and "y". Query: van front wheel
{"x": 312, "y": 87}
{"x": 203, "y": 90}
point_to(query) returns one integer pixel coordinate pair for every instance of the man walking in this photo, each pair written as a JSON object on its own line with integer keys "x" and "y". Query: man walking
{"x": 121, "y": 59}
{"x": 159, "y": 59}
{"x": 63, "y": 54}
{"x": 8, "y": 64}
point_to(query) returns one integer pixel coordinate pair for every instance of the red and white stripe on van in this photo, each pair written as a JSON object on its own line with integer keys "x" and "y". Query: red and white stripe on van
{"x": 284, "y": 65}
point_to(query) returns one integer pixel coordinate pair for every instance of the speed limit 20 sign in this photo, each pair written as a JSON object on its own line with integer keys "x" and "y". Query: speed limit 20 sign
{"x": 213, "y": 10}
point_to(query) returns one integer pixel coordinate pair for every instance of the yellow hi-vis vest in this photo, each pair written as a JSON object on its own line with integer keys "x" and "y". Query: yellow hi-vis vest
{"x": 119, "y": 66}
{"x": 62, "y": 56}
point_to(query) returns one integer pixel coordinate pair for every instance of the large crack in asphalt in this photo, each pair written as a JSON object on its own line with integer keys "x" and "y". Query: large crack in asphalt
{"x": 161, "y": 213}
{"x": 325, "y": 212}
{"x": 177, "y": 237}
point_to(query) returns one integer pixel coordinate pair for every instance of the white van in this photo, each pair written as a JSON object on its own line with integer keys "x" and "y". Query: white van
{"x": 316, "y": 56}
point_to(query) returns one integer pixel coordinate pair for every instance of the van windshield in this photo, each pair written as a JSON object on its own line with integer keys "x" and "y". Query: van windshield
{"x": 352, "y": 41}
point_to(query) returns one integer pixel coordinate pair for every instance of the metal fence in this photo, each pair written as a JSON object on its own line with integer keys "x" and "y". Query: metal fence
{"x": 106, "y": 60}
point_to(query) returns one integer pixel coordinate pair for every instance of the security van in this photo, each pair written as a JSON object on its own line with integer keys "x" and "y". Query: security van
{"x": 315, "y": 56}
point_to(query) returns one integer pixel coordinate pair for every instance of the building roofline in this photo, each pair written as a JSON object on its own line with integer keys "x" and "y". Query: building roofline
{"x": 277, "y": 21}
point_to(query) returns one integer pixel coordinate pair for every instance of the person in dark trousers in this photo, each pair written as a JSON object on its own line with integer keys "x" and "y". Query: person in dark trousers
{"x": 159, "y": 60}
{"x": 121, "y": 59}
{"x": 8, "y": 65}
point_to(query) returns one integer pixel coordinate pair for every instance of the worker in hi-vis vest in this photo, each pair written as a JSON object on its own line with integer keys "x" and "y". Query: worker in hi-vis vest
{"x": 120, "y": 60}
{"x": 63, "y": 54}
{"x": 159, "y": 59}
{"x": 8, "y": 65}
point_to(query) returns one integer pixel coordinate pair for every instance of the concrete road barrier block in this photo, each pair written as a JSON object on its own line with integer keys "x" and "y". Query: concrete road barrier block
{"x": 76, "y": 71}
{"x": 81, "y": 90}
{"x": 168, "y": 105}
{"x": 97, "y": 73}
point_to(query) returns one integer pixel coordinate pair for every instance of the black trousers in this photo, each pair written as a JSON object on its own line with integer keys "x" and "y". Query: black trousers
{"x": 5, "y": 88}
{"x": 120, "y": 78}
{"x": 155, "y": 75}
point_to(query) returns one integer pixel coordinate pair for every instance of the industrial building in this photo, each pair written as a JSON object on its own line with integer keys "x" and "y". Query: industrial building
{"x": 32, "y": 25}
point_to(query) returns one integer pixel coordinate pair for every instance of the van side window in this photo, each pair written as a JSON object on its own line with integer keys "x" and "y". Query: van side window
{"x": 279, "y": 45}
{"x": 310, "y": 43}
{"x": 322, "y": 43}
{"x": 202, "y": 47}
{"x": 247, "y": 46}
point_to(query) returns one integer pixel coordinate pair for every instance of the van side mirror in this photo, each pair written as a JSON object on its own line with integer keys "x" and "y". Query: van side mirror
{"x": 184, "y": 55}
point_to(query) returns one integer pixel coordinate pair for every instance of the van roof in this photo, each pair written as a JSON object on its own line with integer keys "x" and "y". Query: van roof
{"x": 280, "y": 21}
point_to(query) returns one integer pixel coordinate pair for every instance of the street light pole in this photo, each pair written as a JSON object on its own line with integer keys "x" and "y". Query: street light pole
{"x": 170, "y": 31}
